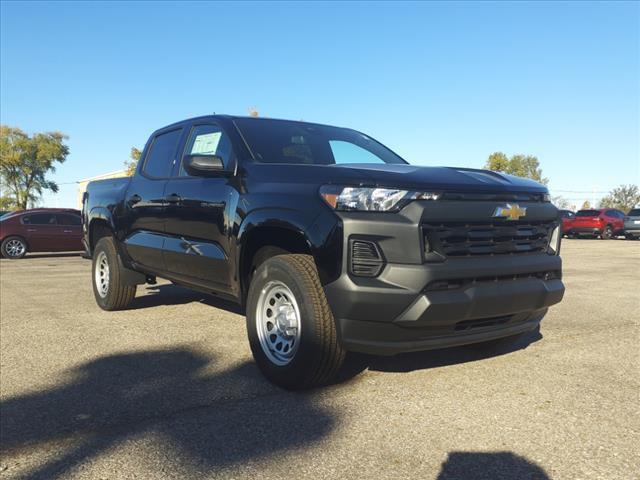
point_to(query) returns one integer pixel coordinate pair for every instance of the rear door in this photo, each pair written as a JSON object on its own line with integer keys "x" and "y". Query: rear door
{"x": 145, "y": 202}
{"x": 197, "y": 214}
{"x": 70, "y": 231}
{"x": 42, "y": 232}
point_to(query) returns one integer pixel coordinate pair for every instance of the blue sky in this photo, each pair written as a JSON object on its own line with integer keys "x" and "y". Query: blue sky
{"x": 440, "y": 83}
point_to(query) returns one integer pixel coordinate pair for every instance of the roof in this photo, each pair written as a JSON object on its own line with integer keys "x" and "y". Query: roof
{"x": 47, "y": 210}
{"x": 235, "y": 117}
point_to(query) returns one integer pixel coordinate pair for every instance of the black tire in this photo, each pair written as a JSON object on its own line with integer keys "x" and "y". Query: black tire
{"x": 118, "y": 296}
{"x": 7, "y": 248}
{"x": 319, "y": 355}
{"x": 607, "y": 233}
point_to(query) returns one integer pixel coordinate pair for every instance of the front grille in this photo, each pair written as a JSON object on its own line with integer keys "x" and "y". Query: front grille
{"x": 481, "y": 322}
{"x": 458, "y": 239}
{"x": 456, "y": 283}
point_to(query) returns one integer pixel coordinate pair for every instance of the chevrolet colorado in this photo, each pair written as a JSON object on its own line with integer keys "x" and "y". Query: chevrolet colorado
{"x": 329, "y": 241}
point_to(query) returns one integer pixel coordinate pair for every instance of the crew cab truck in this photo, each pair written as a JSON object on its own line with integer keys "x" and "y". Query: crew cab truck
{"x": 329, "y": 241}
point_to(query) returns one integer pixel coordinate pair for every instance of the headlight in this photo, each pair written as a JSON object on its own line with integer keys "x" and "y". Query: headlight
{"x": 554, "y": 241}
{"x": 370, "y": 199}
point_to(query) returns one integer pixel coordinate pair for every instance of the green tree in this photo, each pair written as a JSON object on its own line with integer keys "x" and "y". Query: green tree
{"x": 624, "y": 198}
{"x": 131, "y": 164}
{"x": 526, "y": 166}
{"x": 7, "y": 203}
{"x": 25, "y": 162}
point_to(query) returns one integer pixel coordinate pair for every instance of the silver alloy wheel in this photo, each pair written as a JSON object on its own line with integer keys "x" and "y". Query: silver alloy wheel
{"x": 278, "y": 323}
{"x": 15, "y": 248}
{"x": 101, "y": 275}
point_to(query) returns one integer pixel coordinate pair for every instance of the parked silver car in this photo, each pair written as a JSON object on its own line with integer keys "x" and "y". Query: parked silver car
{"x": 632, "y": 224}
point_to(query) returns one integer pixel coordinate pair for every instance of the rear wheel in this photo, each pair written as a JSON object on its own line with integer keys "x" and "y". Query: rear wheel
{"x": 108, "y": 288}
{"x": 607, "y": 233}
{"x": 291, "y": 329}
{"x": 13, "y": 248}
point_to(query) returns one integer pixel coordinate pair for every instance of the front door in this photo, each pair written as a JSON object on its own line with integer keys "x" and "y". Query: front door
{"x": 196, "y": 246}
{"x": 144, "y": 201}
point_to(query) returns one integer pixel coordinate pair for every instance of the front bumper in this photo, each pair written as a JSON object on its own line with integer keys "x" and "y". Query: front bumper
{"x": 425, "y": 305}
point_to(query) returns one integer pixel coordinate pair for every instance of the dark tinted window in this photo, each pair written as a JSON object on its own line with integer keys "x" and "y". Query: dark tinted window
{"x": 159, "y": 159}
{"x": 634, "y": 212}
{"x": 566, "y": 214}
{"x": 39, "y": 219}
{"x": 280, "y": 141}
{"x": 588, "y": 213}
{"x": 207, "y": 140}
{"x": 64, "y": 219}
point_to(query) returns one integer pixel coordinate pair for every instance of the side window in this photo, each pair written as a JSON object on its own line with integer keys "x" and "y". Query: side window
{"x": 347, "y": 152}
{"x": 69, "y": 220}
{"x": 39, "y": 219}
{"x": 159, "y": 159}
{"x": 207, "y": 140}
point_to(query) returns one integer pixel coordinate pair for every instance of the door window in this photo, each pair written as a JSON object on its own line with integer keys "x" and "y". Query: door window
{"x": 207, "y": 140}
{"x": 39, "y": 219}
{"x": 69, "y": 220}
{"x": 159, "y": 158}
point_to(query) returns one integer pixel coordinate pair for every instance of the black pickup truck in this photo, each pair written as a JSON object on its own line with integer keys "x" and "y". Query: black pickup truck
{"x": 328, "y": 240}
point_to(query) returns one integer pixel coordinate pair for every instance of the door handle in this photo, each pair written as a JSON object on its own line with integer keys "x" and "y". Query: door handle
{"x": 67, "y": 231}
{"x": 173, "y": 198}
{"x": 135, "y": 198}
{"x": 32, "y": 229}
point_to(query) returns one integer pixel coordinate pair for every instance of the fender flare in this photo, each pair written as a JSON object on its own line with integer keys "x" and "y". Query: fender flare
{"x": 293, "y": 220}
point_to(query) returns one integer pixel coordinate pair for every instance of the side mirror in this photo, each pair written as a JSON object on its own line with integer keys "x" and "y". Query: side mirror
{"x": 204, "y": 166}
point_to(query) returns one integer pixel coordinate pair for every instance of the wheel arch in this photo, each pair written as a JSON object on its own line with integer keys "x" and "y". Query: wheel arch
{"x": 269, "y": 238}
{"x": 100, "y": 225}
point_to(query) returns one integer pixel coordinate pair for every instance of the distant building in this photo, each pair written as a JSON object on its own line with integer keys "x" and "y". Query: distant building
{"x": 82, "y": 184}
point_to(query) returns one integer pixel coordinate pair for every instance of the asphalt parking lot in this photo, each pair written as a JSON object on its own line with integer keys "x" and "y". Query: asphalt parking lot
{"x": 169, "y": 390}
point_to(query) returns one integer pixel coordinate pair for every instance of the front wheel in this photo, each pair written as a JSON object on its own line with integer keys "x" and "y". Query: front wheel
{"x": 290, "y": 326}
{"x": 108, "y": 288}
{"x": 13, "y": 248}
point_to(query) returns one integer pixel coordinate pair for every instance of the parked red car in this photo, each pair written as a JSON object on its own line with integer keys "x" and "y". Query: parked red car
{"x": 567, "y": 217}
{"x": 604, "y": 223}
{"x": 40, "y": 230}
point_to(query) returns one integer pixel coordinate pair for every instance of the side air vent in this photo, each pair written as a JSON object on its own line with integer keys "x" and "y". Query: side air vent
{"x": 366, "y": 259}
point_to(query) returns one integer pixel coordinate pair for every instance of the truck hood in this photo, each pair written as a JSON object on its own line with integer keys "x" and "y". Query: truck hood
{"x": 398, "y": 176}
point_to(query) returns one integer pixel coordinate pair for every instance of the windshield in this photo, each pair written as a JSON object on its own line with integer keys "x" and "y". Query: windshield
{"x": 634, "y": 213}
{"x": 282, "y": 141}
{"x": 588, "y": 213}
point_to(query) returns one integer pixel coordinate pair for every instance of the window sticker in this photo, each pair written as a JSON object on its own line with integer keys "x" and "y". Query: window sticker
{"x": 206, "y": 144}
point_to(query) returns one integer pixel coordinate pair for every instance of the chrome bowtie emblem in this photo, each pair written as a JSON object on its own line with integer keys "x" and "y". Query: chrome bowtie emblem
{"x": 510, "y": 211}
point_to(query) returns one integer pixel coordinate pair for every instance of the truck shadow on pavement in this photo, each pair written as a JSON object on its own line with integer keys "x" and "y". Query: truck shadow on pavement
{"x": 208, "y": 420}
{"x": 490, "y": 466}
